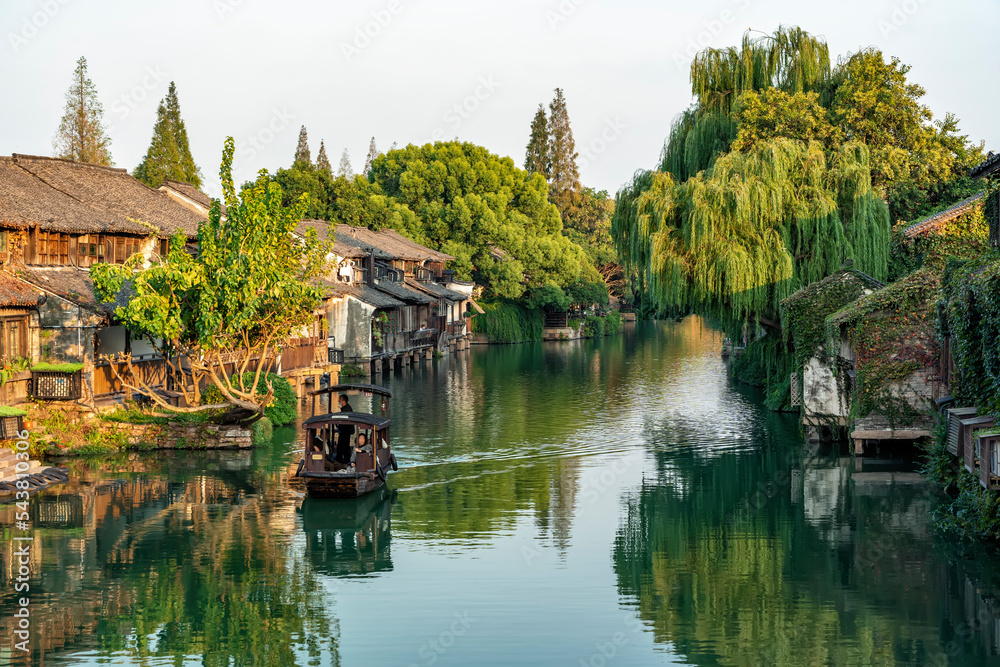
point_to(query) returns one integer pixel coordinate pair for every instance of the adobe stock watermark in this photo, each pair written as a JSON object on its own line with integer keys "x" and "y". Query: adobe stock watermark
{"x": 463, "y": 110}
{"x": 223, "y": 7}
{"x": 711, "y": 30}
{"x": 366, "y": 34}
{"x": 562, "y": 12}
{"x": 22, "y": 554}
{"x": 432, "y": 650}
{"x": 35, "y": 23}
{"x": 901, "y": 13}
{"x": 254, "y": 144}
{"x": 606, "y": 651}
{"x": 598, "y": 146}
{"x": 150, "y": 83}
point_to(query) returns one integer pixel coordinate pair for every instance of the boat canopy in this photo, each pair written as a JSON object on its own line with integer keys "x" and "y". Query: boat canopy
{"x": 353, "y": 389}
{"x": 352, "y": 418}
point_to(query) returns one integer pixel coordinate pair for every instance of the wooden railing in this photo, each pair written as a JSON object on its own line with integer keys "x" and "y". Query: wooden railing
{"x": 151, "y": 370}
{"x": 304, "y": 353}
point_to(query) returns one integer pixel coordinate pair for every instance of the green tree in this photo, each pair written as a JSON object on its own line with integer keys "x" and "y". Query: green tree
{"x": 344, "y": 169}
{"x": 762, "y": 116}
{"x": 373, "y": 154}
{"x": 875, "y": 105}
{"x": 236, "y": 303}
{"x": 564, "y": 176}
{"x": 536, "y": 155}
{"x": 169, "y": 153}
{"x": 481, "y": 208}
{"x": 303, "y": 158}
{"x": 322, "y": 161}
{"x": 82, "y": 136}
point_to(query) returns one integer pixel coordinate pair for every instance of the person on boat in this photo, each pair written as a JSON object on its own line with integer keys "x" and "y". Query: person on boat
{"x": 360, "y": 442}
{"x": 344, "y": 434}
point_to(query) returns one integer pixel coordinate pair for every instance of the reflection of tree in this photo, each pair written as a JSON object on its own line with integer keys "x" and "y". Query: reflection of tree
{"x": 504, "y": 432}
{"x": 145, "y": 568}
{"x": 732, "y": 576}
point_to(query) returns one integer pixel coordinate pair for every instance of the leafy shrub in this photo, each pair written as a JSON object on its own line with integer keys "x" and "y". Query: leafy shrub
{"x": 284, "y": 407}
{"x": 352, "y": 371}
{"x": 613, "y": 323}
{"x": 508, "y": 322}
{"x": 593, "y": 327}
{"x": 263, "y": 431}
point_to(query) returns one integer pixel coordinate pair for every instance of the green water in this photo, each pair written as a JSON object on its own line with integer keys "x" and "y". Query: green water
{"x": 618, "y": 502}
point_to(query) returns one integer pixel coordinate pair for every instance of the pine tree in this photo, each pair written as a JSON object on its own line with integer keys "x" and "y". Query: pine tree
{"x": 322, "y": 161}
{"x": 169, "y": 153}
{"x": 82, "y": 136}
{"x": 536, "y": 157}
{"x": 345, "y": 170}
{"x": 564, "y": 176}
{"x": 373, "y": 153}
{"x": 302, "y": 156}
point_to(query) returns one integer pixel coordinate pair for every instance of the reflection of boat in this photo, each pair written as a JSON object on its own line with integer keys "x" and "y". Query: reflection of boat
{"x": 368, "y": 436}
{"x": 349, "y": 536}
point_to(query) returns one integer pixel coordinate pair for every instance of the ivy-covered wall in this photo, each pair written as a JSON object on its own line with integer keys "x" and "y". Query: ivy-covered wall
{"x": 895, "y": 347}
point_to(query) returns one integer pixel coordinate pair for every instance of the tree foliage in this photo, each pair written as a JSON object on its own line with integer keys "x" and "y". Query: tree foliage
{"x": 344, "y": 169}
{"x": 495, "y": 218}
{"x": 169, "y": 153}
{"x": 564, "y": 176}
{"x": 302, "y": 156}
{"x": 373, "y": 153}
{"x": 536, "y": 155}
{"x": 82, "y": 136}
{"x": 322, "y": 161}
{"x": 231, "y": 308}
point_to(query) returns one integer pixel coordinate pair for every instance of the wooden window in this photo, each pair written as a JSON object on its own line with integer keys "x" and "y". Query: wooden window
{"x": 164, "y": 247}
{"x": 14, "y": 338}
{"x": 393, "y": 322}
{"x": 52, "y": 249}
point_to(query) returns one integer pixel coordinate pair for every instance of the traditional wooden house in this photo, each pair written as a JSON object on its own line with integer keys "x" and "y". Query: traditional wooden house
{"x": 822, "y": 386}
{"x": 387, "y": 299}
{"x": 898, "y": 379}
{"x": 57, "y": 219}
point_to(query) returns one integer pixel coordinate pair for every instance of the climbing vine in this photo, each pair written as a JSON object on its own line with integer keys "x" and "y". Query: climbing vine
{"x": 892, "y": 333}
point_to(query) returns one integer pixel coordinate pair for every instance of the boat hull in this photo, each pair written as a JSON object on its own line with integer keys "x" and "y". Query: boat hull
{"x": 340, "y": 485}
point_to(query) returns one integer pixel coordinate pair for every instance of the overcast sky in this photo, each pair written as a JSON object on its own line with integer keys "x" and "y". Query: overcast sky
{"x": 409, "y": 71}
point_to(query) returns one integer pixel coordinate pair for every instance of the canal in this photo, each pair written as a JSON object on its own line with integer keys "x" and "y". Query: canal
{"x": 618, "y": 502}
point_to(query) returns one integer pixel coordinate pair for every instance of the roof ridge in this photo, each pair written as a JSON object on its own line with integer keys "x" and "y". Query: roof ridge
{"x": 39, "y": 178}
{"x": 19, "y": 156}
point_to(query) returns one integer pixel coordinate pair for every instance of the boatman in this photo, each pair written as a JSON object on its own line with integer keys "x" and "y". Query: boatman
{"x": 344, "y": 434}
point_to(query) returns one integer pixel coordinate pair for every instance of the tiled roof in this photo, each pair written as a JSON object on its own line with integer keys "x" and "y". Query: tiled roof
{"x": 189, "y": 191}
{"x": 65, "y": 196}
{"x": 436, "y": 290}
{"x": 834, "y": 281}
{"x": 403, "y": 293}
{"x": 71, "y": 284}
{"x": 988, "y": 166}
{"x": 14, "y": 292}
{"x": 932, "y": 222}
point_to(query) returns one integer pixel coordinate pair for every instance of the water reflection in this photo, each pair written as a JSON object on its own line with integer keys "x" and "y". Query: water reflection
{"x": 554, "y": 493}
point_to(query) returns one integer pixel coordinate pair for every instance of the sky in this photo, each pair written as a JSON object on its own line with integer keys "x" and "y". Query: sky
{"x": 413, "y": 71}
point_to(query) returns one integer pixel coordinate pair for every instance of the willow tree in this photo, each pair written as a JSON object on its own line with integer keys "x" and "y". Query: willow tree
{"x": 223, "y": 316}
{"x": 739, "y": 237}
{"x": 790, "y": 60}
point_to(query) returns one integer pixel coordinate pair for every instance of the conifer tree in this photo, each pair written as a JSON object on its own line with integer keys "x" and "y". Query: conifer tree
{"x": 322, "y": 161}
{"x": 82, "y": 136}
{"x": 536, "y": 156}
{"x": 302, "y": 155}
{"x": 564, "y": 176}
{"x": 169, "y": 153}
{"x": 373, "y": 153}
{"x": 345, "y": 170}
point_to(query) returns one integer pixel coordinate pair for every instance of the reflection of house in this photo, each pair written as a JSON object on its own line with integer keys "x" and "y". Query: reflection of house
{"x": 822, "y": 387}
{"x": 390, "y": 300}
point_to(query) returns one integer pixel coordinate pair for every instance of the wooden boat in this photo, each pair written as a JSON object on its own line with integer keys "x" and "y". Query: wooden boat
{"x": 325, "y": 478}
